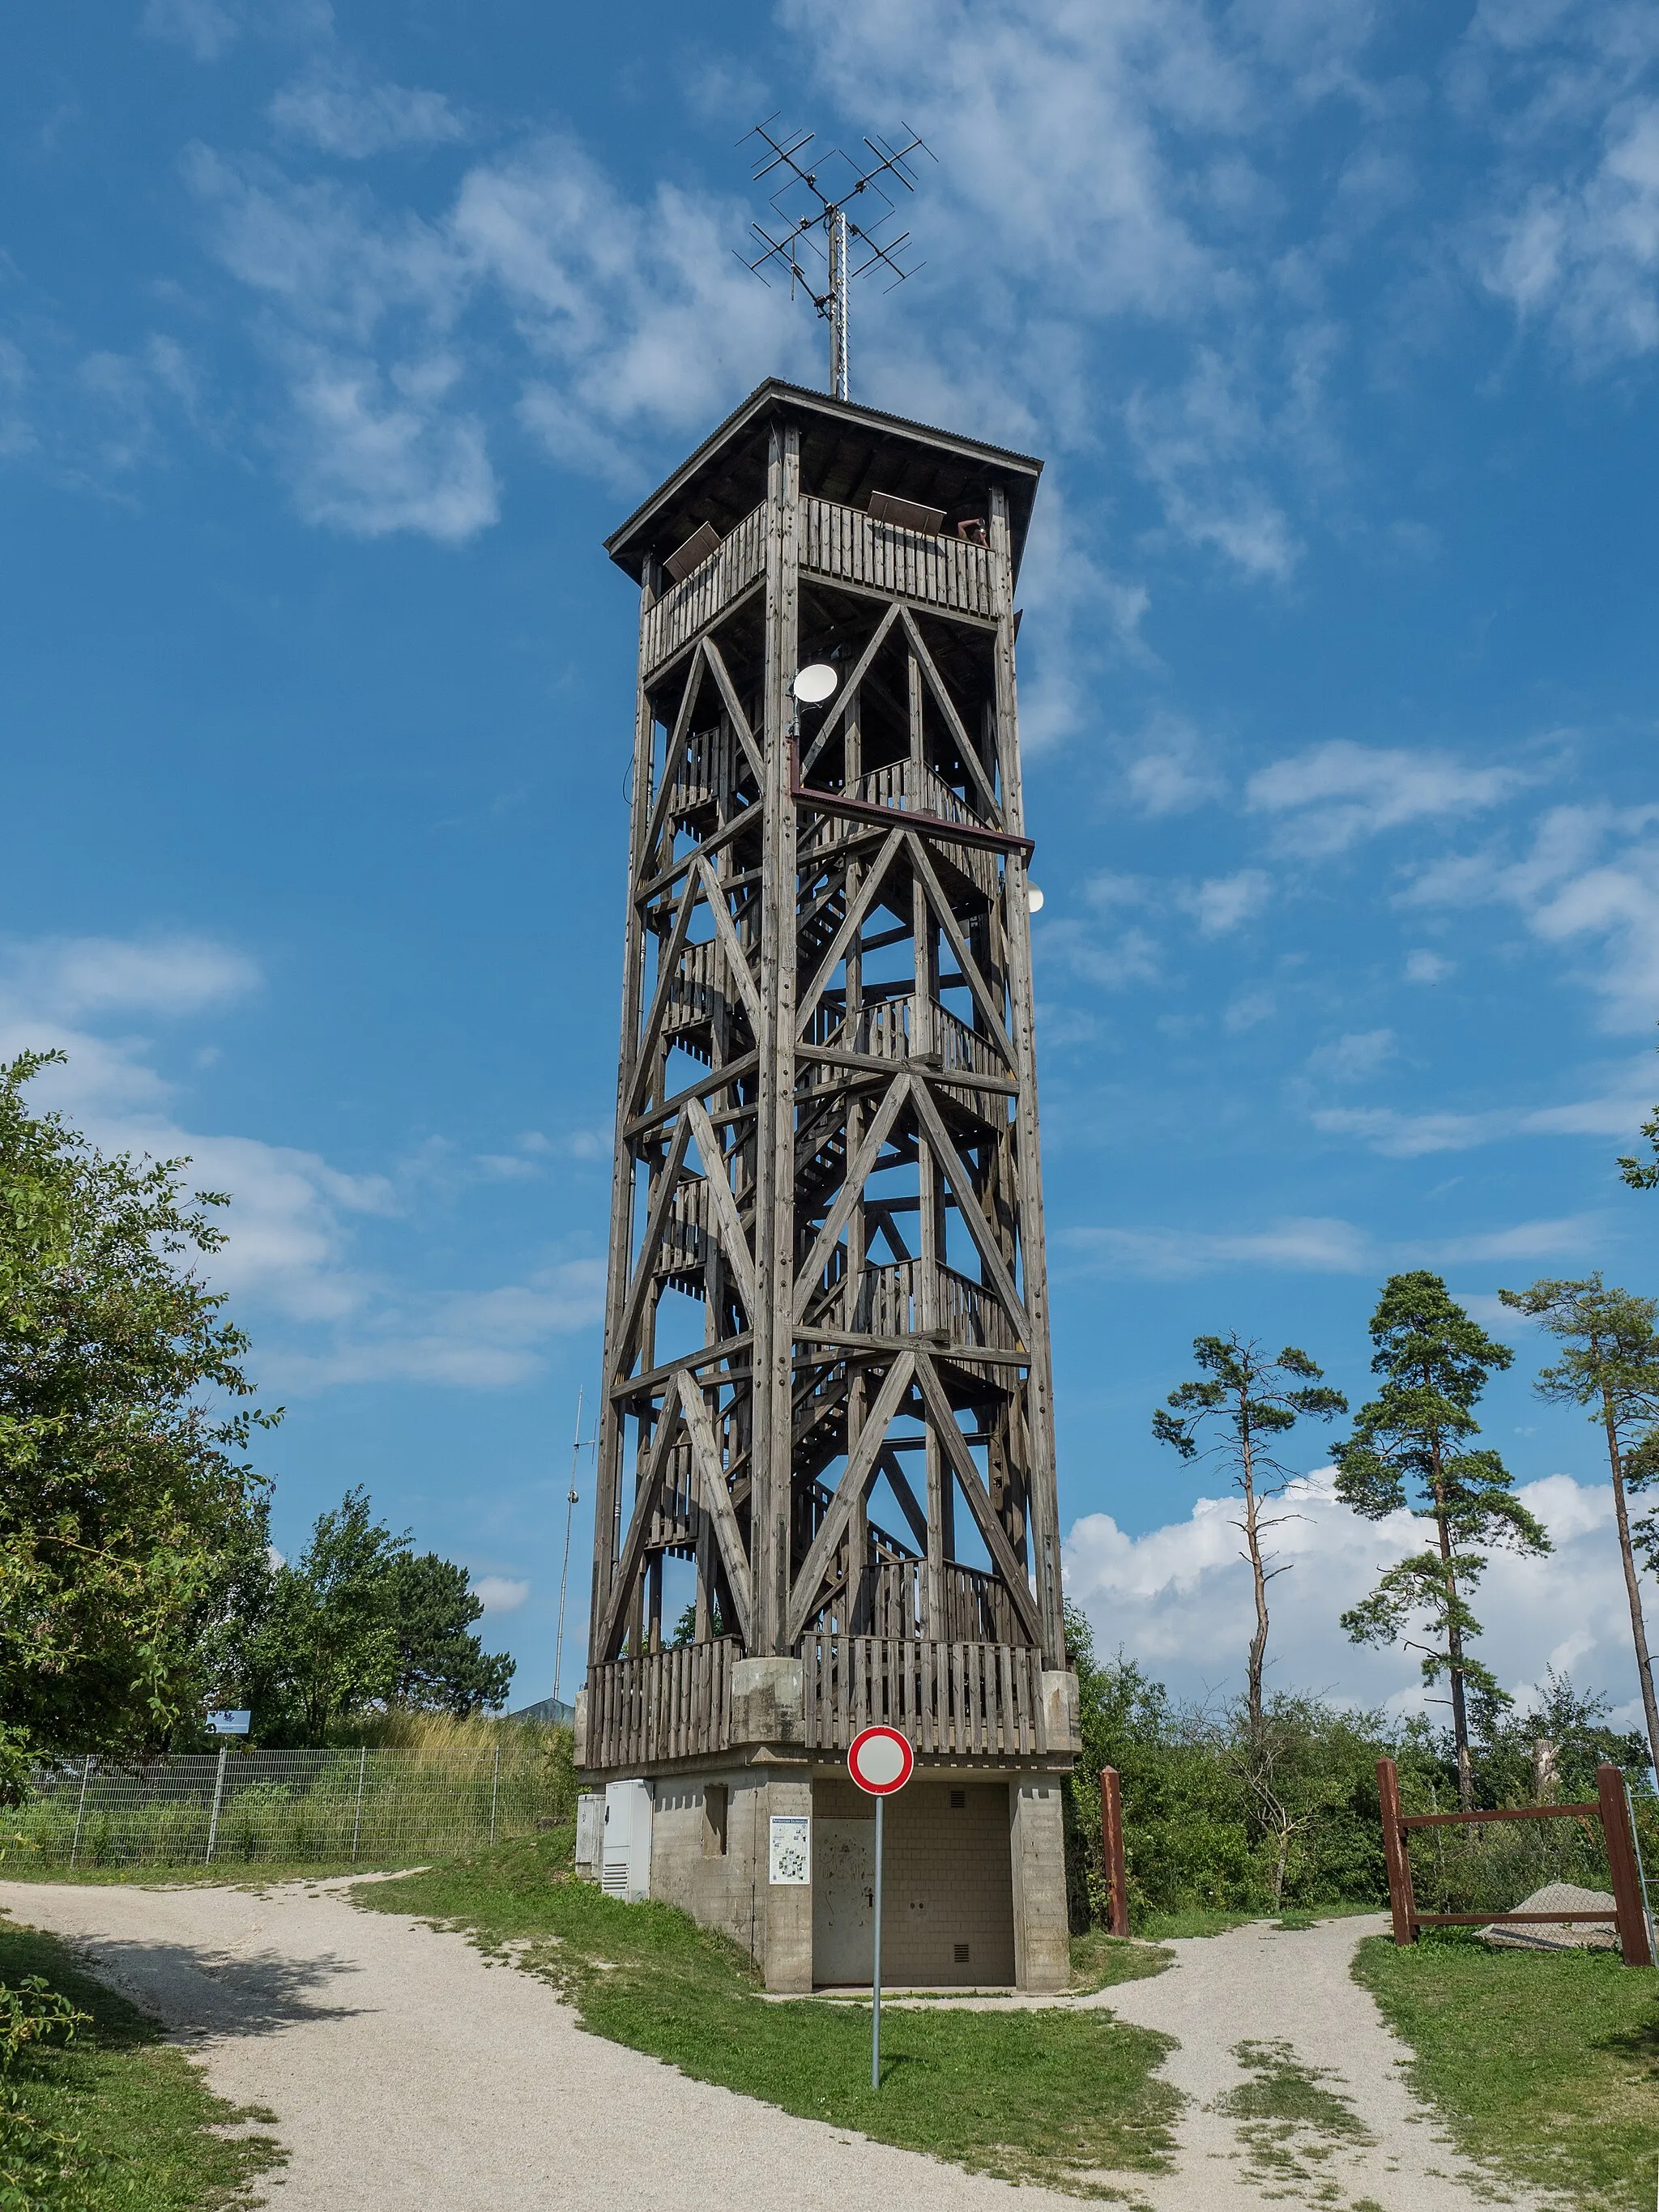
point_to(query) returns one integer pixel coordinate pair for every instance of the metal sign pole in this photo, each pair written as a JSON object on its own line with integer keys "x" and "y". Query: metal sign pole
{"x": 875, "y": 1965}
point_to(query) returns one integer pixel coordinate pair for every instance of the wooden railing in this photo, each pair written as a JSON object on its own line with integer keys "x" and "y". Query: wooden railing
{"x": 664, "y": 1705}
{"x": 974, "y": 1700}
{"x": 941, "y": 572}
{"x": 899, "y": 1028}
{"x": 835, "y": 541}
{"x": 691, "y": 604}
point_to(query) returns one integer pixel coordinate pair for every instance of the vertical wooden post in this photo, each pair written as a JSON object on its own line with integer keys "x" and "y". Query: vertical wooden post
{"x": 1111, "y": 1843}
{"x": 1402, "y": 1903}
{"x": 1633, "y": 1942}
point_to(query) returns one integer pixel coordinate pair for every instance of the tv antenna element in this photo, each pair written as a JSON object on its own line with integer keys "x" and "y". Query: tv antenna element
{"x": 814, "y": 194}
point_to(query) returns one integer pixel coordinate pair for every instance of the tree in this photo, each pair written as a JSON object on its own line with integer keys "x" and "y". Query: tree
{"x": 441, "y": 1665}
{"x": 1610, "y": 1364}
{"x": 359, "y": 1621}
{"x": 125, "y": 1502}
{"x": 1411, "y": 1449}
{"x": 1251, "y": 1402}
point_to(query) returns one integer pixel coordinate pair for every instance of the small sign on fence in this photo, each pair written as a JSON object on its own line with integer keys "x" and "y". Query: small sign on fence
{"x": 229, "y": 1723}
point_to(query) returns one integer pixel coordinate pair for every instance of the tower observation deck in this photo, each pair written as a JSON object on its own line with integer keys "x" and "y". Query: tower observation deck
{"x": 827, "y": 1422}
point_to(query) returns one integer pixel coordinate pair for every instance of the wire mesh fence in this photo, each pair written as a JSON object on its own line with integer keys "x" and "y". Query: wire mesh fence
{"x": 241, "y": 1807}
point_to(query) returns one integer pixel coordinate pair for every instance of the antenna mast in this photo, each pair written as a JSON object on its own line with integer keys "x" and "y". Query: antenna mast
{"x": 817, "y": 198}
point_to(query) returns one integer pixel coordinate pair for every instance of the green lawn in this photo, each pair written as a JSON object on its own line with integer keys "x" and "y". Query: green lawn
{"x": 1544, "y": 2064}
{"x": 116, "y": 2120}
{"x": 1063, "y": 2097}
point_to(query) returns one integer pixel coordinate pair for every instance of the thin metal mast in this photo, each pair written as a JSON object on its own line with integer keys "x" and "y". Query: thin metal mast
{"x": 571, "y": 1500}
{"x": 804, "y": 205}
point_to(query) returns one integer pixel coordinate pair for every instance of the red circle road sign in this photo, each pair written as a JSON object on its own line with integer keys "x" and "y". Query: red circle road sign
{"x": 880, "y": 1760}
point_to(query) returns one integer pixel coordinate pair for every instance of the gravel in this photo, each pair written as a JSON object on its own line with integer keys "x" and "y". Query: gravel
{"x": 406, "y": 2070}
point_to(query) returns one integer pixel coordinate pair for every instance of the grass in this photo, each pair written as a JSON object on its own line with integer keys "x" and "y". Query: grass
{"x": 1544, "y": 2064}
{"x": 224, "y": 1874}
{"x": 117, "y": 2120}
{"x": 1291, "y": 2121}
{"x": 1067, "y": 2098}
{"x": 1098, "y": 1960}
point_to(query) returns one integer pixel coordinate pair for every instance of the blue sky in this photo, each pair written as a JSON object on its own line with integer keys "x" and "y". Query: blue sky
{"x": 333, "y": 339}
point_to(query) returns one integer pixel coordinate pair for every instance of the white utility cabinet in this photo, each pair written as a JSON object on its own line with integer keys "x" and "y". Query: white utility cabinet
{"x": 627, "y": 1840}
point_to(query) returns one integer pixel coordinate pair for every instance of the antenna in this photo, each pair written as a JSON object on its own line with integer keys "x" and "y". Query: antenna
{"x": 817, "y": 198}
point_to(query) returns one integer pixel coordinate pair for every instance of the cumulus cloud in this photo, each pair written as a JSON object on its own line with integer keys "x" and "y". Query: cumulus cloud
{"x": 1616, "y": 1108}
{"x": 1312, "y": 1245}
{"x": 1426, "y": 967}
{"x": 1325, "y": 800}
{"x": 1177, "y": 1598}
{"x": 292, "y": 1258}
{"x": 1350, "y": 1059}
{"x": 500, "y": 1593}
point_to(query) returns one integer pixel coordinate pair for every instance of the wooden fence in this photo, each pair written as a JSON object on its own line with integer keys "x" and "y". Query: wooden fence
{"x": 981, "y": 1700}
{"x": 664, "y": 1705}
{"x": 1611, "y": 1809}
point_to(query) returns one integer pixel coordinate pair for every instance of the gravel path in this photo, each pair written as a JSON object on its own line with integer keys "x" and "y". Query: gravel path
{"x": 1291, "y": 1999}
{"x": 407, "y": 2072}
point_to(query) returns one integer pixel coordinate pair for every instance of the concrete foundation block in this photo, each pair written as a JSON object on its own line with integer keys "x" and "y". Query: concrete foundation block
{"x": 766, "y": 1701}
{"x": 1036, "y": 1832}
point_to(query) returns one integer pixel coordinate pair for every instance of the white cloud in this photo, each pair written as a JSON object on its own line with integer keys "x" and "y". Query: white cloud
{"x": 1249, "y": 1008}
{"x": 1591, "y": 881}
{"x": 1220, "y": 904}
{"x": 203, "y": 27}
{"x": 500, "y": 1593}
{"x": 1178, "y": 1597}
{"x": 1350, "y": 1059}
{"x": 333, "y": 109}
{"x": 1113, "y": 962}
{"x": 291, "y": 1262}
{"x": 1615, "y": 1109}
{"x": 1424, "y": 967}
{"x": 1317, "y": 1246}
{"x": 1328, "y": 797}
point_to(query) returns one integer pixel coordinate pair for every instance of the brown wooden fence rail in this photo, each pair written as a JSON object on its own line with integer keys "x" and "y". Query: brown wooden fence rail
{"x": 664, "y": 1705}
{"x": 1611, "y": 1809}
{"x": 976, "y": 1700}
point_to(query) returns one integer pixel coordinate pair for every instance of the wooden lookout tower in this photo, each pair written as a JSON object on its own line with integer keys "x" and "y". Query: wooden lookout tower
{"x": 828, "y": 1427}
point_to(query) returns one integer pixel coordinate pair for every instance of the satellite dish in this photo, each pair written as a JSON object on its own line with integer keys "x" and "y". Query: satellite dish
{"x": 1033, "y": 898}
{"x": 813, "y": 685}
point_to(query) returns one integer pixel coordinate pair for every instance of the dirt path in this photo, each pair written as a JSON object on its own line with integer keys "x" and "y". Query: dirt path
{"x": 1273, "y": 2022}
{"x": 406, "y": 2072}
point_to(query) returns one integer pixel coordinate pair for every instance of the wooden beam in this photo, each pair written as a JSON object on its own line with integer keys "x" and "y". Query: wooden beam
{"x": 983, "y": 997}
{"x": 733, "y": 1243}
{"x": 647, "y": 1049}
{"x": 852, "y": 1488}
{"x": 716, "y": 661}
{"x": 640, "y": 1281}
{"x": 639, "y": 1527}
{"x": 677, "y": 738}
{"x": 968, "y": 1207}
{"x": 852, "y": 923}
{"x": 946, "y": 706}
{"x": 850, "y": 690}
{"x": 979, "y": 1502}
{"x": 717, "y": 1499}
{"x": 726, "y": 930}
{"x": 858, "y": 1172}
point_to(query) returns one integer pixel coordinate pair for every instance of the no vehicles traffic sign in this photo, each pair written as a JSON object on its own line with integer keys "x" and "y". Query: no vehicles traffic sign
{"x": 880, "y": 1760}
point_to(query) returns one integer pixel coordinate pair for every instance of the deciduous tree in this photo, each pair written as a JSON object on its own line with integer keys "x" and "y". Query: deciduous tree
{"x": 126, "y": 1503}
{"x": 1609, "y": 1365}
{"x": 1413, "y": 1449}
{"x": 1243, "y": 1404}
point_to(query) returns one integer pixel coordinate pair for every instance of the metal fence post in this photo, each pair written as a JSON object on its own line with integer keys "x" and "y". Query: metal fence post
{"x": 218, "y": 1792}
{"x": 1617, "y": 1830}
{"x": 80, "y": 1810}
{"x": 494, "y": 1792}
{"x": 357, "y": 1818}
{"x": 1641, "y": 1871}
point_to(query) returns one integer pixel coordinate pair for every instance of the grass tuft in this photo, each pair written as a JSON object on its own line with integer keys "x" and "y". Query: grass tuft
{"x": 1067, "y": 2097}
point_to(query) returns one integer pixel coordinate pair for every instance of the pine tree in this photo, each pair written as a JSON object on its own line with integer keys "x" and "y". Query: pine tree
{"x": 1610, "y": 1364}
{"x": 1252, "y": 1400}
{"x": 1412, "y": 1449}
